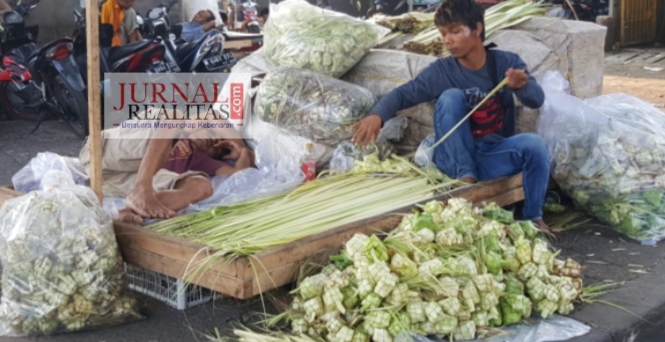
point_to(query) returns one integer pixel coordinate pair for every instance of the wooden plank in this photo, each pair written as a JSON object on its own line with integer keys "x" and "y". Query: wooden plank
{"x": 237, "y": 44}
{"x": 283, "y": 275}
{"x": 140, "y": 238}
{"x": 173, "y": 268}
{"x": 94, "y": 97}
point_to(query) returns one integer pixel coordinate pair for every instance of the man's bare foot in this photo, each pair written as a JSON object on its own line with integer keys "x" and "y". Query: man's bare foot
{"x": 469, "y": 180}
{"x": 128, "y": 216}
{"x": 144, "y": 202}
{"x": 544, "y": 227}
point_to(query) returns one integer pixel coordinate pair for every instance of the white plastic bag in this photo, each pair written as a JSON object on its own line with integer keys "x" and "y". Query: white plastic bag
{"x": 554, "y": 328}
{"x": 288, "y": 145}
{"x": 312, "y": 105}
{"x": 29, "y": 177}
{"x": 608, "y": 155}
{"x": 302, "y": 35}
{"x": 346, "y": 153}
{"x": 273, "y": 175}
{"x": 61, "y": 267}
{"x": 425, "y": 155}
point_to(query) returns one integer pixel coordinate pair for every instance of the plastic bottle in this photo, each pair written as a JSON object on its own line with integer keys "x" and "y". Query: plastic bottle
{"x": 308, "y": 163}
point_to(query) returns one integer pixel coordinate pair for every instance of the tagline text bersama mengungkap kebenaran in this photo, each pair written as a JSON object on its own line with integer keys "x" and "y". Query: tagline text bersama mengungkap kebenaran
{"x": 180, "y": 125}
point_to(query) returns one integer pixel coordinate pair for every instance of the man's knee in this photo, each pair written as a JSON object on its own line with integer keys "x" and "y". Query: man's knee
{"x": 534, "y": 145}
{"x": 200, "y": 186}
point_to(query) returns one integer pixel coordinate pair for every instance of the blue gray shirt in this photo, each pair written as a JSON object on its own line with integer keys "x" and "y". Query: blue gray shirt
{"x": 448, "y": 73}
{"x": 192, "y": 31}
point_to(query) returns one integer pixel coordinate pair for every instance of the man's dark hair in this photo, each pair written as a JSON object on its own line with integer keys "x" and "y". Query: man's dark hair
{"x": 466, "y": 12}
{"x": 211, "y": 17}
{"x": 264, "y": 12}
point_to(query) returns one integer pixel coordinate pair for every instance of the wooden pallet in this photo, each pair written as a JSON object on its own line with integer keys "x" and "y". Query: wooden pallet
{"x": 279, "y": 266}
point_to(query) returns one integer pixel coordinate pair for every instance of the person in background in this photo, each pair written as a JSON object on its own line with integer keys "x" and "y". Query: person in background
{"x": 203, "y": 22}
{"x": 122, "y": 16}
{"x": 264, "y": 14}
{"x": 485, "y": 146}
{"x": 4, "y": 8}
{"x": 161, "y": 173}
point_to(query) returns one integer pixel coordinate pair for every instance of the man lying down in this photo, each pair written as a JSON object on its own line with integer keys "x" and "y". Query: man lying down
{"x": 162, "y": 172}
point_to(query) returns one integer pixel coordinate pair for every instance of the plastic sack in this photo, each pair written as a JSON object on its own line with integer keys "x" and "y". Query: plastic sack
{"x": 425, "y": 155}
{"x": 312, "y": 105}
{"x": 305, "y": 36}
{"x": 285, "y": 144}
{"x": 29, "y": 177}
{"x": 272, "y": 176}
{"x": 608, "y": 153}
{"x": 62, "y": 270}
{"x": 347, "y": 153}
{"x": 554, "y": 328}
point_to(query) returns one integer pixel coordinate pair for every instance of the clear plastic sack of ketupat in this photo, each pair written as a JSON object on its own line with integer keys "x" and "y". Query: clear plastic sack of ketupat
{"x": 608, "y": 153}
{"x": 62, "y": 269}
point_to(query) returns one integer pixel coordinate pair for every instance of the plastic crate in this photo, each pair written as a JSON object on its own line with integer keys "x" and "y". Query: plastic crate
{"x": 171, "y": 291}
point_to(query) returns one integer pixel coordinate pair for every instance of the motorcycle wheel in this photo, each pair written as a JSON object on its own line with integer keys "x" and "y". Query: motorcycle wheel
{"x": 11, "y": 112}
{"x": 253, "y": 29}
{"x": 75, "y": 106}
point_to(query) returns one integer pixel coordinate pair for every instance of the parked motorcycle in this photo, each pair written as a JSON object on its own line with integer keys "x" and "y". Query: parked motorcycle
{"x": 145, "y": 56}
{"x": 248, "y": 15}
{"x": 15, "y": 33}
{"x": 156, "y": 18}
{"x": 205, "y": 54}
{"x": 38, "y": 84}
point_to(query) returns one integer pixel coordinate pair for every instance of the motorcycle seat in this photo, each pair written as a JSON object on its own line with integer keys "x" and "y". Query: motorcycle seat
{"x": 119, "y": 52}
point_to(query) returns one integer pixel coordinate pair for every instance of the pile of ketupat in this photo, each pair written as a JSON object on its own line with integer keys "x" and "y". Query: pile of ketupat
{"x": 449, "y": 271}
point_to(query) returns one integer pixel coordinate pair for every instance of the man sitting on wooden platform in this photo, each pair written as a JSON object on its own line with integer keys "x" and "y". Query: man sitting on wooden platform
{"x": 486, "y": 146}
{"x": 160, "y": 176}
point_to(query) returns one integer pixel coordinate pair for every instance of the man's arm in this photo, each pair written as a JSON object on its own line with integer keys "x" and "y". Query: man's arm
{"x": 136, "y": 36}
{"x": 133, "y": 31}
{"x": 244, "y": 161}
{"x": 530, "y": 93}
{"x": 427, "y": 86}
{"x": 209, "y": 26}
{"x": 4, "y": 7}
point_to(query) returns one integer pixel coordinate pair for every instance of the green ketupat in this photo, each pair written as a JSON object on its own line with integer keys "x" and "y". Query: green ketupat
{"x": 61, "y": 267}
{"x": 420, "y": 283}
{"x": 302, "y": 35}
